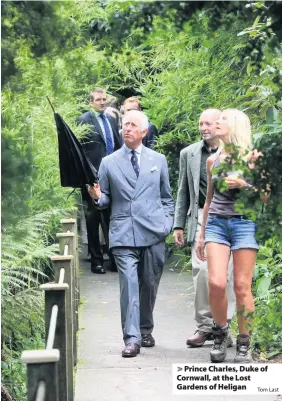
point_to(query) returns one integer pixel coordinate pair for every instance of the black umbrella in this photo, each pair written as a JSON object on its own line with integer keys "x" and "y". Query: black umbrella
{"x": 76, "y": 170}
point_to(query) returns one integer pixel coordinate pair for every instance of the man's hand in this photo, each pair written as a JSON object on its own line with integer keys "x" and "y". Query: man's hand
{"x": 178, "y": 236}
{"x": 94, "y": 191}
{"x": 200, "y": 249}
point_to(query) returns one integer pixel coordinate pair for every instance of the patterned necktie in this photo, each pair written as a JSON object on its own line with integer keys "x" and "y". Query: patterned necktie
{"x": 134, "y": 162}
{"x": 109, "y": 142}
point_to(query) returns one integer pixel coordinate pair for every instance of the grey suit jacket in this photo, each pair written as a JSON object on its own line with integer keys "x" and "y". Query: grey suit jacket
{"x": 186, "y": 209}
{"x": 141, "y": 208}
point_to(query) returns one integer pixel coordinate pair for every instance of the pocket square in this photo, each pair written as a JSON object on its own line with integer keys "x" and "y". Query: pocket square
{"x": 154, "y": 168}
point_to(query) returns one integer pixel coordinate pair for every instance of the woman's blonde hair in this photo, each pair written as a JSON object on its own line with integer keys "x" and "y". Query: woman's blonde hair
{"x": 240, "y": 129}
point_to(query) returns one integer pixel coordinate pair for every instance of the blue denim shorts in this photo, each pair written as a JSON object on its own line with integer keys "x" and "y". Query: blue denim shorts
{"x": 237, "y": 233}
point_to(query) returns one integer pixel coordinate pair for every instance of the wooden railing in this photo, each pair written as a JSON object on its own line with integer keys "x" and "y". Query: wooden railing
{"x": 50, "y": 371}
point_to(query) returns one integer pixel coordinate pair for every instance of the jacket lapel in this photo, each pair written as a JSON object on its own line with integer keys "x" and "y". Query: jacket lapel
{"x": 96, "y": 124}
{"x": 195, "y": 166}
{"x": 146, "y": 163}
{"x": 122, "y": 160}
{"x": 115, "y": 131}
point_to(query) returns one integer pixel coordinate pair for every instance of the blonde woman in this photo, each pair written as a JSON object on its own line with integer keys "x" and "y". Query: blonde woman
{"x": 226, "y": 230}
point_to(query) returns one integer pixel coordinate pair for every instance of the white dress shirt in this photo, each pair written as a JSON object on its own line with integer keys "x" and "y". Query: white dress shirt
{"x": 137, "y": 150}
{"x": 100, "y": 121}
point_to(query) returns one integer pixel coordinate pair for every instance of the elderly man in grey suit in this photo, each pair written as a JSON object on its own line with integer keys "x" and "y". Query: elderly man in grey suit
{"x": 192, "y": 188}
{"x": 135, "y": 182}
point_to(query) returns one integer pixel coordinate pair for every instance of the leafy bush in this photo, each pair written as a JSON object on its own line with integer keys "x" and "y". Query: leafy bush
{"x": 267, "y": 331}
{"x": 180, "y": 58}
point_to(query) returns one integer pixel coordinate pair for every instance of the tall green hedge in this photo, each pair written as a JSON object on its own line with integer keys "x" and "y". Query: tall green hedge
{"x": 180, "y": 59}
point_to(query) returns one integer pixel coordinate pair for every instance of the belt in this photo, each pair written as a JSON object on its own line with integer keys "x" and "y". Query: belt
{"x": 236, "y": 216}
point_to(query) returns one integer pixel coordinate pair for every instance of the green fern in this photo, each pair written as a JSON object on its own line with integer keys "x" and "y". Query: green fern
{"x": 24, "y": 259}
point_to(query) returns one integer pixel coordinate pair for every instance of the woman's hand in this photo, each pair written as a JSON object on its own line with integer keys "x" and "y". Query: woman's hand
{"x": 232, "y": 181}
{"x": 200, "y": 249}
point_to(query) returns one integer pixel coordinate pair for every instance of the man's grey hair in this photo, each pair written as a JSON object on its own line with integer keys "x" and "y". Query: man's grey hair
{"x": 212, "y": 110}
{"x": 144, "y": 122}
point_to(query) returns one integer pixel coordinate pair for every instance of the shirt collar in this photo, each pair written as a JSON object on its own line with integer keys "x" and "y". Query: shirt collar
{"x": 205, "y": 146}
{"x": 97, "y": 113}
{"x": 137, "y": 150}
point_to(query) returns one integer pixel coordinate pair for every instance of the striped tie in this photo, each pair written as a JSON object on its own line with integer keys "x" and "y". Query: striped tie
{"x": 134, "y": 162}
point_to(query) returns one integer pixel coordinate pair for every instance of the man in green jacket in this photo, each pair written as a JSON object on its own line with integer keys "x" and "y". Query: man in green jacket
{"x": 192, "y": 188}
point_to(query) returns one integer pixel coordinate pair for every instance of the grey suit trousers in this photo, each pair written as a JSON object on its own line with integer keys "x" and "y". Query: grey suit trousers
{"x": 140, "y": 271}
{"x": 203, "y": 314}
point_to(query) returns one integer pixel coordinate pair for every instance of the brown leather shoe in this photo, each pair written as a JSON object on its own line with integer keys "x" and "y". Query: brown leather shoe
{"x": 199, "y": 338}
{"x": 130, "y": 350}
{"x": 147, "y": 340}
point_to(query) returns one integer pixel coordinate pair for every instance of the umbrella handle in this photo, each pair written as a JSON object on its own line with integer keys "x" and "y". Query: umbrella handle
{"x": 50, "y": 104}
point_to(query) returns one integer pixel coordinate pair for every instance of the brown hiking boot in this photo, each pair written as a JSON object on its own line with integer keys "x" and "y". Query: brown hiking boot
{"x": 243, "y": 350}
{"x": 199, "y": 338}
{"x": 219, "y": 350}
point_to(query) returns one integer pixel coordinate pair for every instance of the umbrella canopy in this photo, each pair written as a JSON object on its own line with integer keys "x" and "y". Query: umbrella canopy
{"x": 76, "y": 169}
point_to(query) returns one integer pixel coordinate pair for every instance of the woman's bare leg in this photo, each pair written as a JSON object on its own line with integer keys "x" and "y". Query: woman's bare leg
{"x": 244, "y": 263}
{"x": 218, "y": 258}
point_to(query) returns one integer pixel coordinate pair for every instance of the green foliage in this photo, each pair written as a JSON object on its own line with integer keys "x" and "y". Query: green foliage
{"x": 180, "y": 57}
{"x": 267, "y": 329}
{"x": 191, "y": 71}
{"x": 36, "y": 24}
{"x": 12, "y": 369}
{"x": 269, "y": 175}
{"x": 25, "y": 265}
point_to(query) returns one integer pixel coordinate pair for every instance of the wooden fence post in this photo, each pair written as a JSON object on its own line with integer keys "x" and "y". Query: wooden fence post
{"x": 50, "y": 371}
{"x": 42, "y": 371}
{"x": 55, "y": 294}
{"x": 65, "y": 262}
{"x": 71, "y": 225}
{"x": 68, "y": 239}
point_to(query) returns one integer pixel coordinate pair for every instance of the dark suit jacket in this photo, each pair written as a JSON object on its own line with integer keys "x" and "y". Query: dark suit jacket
{"x": 150, "y": 139}
{"x": 93, "y": 143}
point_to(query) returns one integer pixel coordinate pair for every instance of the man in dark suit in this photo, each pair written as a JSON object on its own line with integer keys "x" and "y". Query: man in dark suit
{"x": 133, "y": 103}
{"x": 102, "y": 140}
{"x": 135, "y": 183}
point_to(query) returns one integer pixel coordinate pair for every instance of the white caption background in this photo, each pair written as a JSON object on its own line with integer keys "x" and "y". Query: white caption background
{"x": 227, "y": 379}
